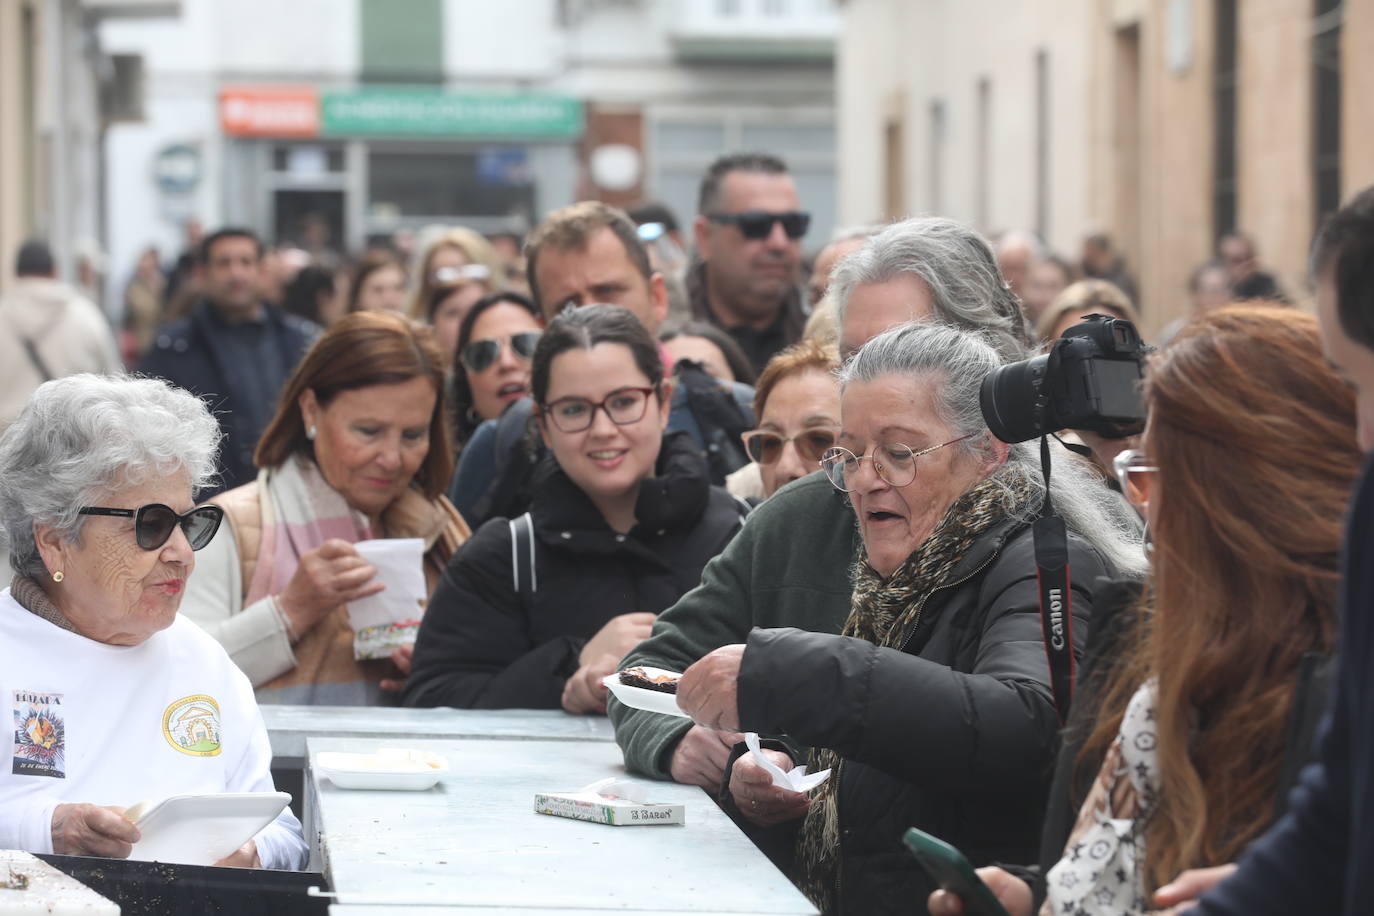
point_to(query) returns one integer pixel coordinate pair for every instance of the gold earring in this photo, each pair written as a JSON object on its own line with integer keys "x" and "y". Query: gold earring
{"x": 57, "y": 576}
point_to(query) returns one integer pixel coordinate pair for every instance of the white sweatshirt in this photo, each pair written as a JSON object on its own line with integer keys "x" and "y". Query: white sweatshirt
{"x": 115, "y": 725}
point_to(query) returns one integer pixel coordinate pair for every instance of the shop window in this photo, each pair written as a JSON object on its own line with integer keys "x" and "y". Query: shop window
{"x": 493, "y": 182}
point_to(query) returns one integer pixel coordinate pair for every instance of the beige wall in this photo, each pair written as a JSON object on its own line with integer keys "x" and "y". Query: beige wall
{"x": 1274, "y": 134}
{"x": 1140, "y": 169}
{"x": 13, "y": 134}
{"x": 1357, "y": 97}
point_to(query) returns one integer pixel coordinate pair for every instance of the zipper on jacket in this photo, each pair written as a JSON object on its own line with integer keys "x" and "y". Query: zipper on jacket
{"x": 921, "y": 607}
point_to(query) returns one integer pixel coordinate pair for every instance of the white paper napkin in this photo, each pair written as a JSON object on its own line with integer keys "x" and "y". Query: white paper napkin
{"x": 615, "y": 787}
{"x": 390, "y": 618}
{"x": 794, "y": 779}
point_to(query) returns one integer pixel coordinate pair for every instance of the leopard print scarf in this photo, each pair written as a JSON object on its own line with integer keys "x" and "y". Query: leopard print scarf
{"x": 885, "y": 612}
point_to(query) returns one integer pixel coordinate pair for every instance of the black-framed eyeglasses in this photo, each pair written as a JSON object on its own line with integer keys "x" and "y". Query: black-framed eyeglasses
{"x": 154, "y": 523}
{"x": 765, "y": 446}
{"x": 478, "y": 355}
{"x": 894, "y": 462}
{"x": 758, "y": 224}
{"x": 1135, "y": 472}
{"x": 624, "y": 406}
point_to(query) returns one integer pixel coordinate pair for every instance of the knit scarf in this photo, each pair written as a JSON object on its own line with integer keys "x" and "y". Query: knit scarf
{"x": 886, "y": 613}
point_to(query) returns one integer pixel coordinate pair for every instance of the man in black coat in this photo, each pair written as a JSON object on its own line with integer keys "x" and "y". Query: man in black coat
{"x": 234, "y": 350}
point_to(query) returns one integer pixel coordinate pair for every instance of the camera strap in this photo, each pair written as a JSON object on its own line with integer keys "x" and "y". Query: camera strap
{"x": 1056, "y": 602}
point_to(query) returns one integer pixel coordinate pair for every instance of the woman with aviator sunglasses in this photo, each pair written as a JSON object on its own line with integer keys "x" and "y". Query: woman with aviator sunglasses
{"x": 534, "y": 611}
{"x": 115, "y": 698}
{"x": 492, "y": 362}
{"x": 797, "y": 401}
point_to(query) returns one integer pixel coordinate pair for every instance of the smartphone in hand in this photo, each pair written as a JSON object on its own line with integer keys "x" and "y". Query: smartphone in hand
{"x": 950, "y": 871}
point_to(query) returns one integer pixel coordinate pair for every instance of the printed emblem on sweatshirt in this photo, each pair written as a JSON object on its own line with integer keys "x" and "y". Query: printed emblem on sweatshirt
{"x": 40, "y": 737}
{"x": 191, "y": 725}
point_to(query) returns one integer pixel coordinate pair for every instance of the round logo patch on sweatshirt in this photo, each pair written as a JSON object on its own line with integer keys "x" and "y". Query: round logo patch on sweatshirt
{"x": 191, "y": 725}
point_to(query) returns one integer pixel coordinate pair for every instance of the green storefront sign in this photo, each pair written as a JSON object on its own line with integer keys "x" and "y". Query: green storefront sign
{"x": 435, "y": 113}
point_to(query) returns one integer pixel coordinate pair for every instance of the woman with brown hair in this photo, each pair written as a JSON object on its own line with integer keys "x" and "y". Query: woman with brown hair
{"x": 378, "y": 285}
{"x": 1247, "y": 464}
{"x": 1245, "y": 470}
{"x": 359, "y": 449}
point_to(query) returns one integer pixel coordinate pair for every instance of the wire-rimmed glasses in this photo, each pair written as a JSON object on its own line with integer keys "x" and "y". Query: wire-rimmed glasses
{"x": 894, "y": 462}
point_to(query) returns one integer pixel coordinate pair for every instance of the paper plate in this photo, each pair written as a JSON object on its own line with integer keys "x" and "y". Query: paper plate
{"x": 202, "y": 829}
{"x": 640, "y": 698}
{"x": 387, "y": 768}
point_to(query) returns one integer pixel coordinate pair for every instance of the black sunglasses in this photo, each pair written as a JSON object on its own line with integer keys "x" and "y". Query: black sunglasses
{"x": 154, "y": 523}
{"x": 478, "y": 355}
{"x": 758, "y": 224}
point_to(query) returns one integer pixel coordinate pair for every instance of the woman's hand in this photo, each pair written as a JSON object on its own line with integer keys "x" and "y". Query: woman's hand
{"x": 1181, "y": 893}
{"x": 403, "y": 658}
{"x": 616, "y": 638}
{"x": 330, "y": 575}
{"x": 90, "y": 830}
{"x": 1013, "y": 893}
{"x": 246, "y": 856}
{"x": 708, "y": 689}
{"x": 758, "y": 799}
{"x": 700, "y": 757}
{"x": 583, "y": 693}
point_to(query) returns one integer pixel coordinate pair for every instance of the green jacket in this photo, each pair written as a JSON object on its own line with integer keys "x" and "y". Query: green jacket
{"x": 788, "y": 567}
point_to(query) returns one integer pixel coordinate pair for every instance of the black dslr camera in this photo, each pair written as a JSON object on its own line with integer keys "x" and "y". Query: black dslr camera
{"x": 1090, "y": 379}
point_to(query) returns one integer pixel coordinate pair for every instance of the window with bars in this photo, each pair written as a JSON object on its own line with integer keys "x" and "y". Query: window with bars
{"x": 1224, "y": 120}
{"x": 1326, "y": 106}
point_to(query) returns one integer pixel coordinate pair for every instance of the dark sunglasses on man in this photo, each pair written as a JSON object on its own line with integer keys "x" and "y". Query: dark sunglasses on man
{"x": 758, "y": 224}
{"x": 478, "y": 355}
{"x": 765, "y": 446}
{"x": 154, "y": 523}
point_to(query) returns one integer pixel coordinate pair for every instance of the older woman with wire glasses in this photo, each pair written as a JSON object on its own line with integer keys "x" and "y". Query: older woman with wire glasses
{"x": 933, "y": 708}
{"x": 97, "y": 479}
{"x": 534, "y": 611}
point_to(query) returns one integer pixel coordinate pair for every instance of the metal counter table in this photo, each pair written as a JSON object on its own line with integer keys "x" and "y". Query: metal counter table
{"x": 288, "y": 727}
{"x": 474, "y": 844}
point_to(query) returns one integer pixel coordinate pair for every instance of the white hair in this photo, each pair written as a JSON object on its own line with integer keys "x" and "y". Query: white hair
{"x": 81, "y": 437}
{"x": 956, "y": 265}
{"x": 955, "y": 362}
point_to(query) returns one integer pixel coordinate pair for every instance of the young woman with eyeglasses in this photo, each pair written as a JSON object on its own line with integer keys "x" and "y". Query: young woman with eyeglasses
{"x": 797, "y": 401}
{"x": 492, "y": 359}
{"x": 536, "y": 610}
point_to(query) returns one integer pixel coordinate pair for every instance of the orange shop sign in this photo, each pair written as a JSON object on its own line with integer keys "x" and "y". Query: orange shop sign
{"x": 270, "y": 111}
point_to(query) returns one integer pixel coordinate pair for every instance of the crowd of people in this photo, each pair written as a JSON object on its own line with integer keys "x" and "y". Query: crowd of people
{"x": 621, "y": 443}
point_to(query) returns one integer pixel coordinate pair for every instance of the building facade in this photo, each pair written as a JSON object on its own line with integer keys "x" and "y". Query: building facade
{"x": 366, "y": 117}
{"x": 1165, "y": 123}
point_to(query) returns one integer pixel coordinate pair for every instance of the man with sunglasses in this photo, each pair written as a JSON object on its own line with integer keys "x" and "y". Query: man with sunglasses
{"x": 747, "y": 275}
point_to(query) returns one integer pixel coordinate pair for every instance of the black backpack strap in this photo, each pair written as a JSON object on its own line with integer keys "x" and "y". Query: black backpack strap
{"x": 524, "y": 578}
{"x": 37, "y": 360}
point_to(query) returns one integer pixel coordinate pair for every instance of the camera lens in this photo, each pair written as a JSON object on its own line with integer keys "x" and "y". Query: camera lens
{"x": 1008, "y": 396}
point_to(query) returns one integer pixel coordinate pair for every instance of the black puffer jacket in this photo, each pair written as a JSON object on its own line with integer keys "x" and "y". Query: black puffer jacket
{"x": 482, "y": 646}
{"x": 955, "y": 733}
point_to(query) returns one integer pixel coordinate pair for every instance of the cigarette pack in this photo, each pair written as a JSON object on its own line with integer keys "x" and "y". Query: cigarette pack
{"x": 601, "y": 809}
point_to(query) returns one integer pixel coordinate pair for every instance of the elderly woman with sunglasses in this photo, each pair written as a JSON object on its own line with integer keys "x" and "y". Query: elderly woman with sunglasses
{"x": 933, "y": 708}
{"x": 359, "y": 449}
{"x": 492, "y": 367}
{"x": 97, "y": 478}
{"x": 797, "y": 401}
{"x": 534, "y": 611}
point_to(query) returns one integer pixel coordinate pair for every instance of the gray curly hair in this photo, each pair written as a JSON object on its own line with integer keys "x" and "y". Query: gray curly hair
{"x": 956, "y": 265}
{"x": 82, "y": 437}
{"x": 955, "y": 361}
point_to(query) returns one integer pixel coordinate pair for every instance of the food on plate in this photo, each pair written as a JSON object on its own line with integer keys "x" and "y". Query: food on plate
{"x": 661, "y": 681}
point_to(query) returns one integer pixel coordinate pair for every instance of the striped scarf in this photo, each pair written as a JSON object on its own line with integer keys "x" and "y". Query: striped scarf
{"x": 886, "y": 613}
